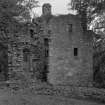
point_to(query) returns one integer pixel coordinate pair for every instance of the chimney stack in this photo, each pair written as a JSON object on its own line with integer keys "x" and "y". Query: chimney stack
{"x": 46, "y": 9}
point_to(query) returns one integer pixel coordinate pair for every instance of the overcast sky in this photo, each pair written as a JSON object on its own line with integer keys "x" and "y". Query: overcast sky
{"x": 58, "y": 6}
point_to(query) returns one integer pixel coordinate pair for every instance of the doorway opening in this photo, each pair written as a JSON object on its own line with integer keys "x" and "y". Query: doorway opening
{"x": 46, "y": 61}
{"x": 3, "y": 62}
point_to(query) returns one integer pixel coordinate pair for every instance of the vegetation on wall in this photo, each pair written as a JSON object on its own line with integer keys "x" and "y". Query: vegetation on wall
{"x": 92, "y": 13}
{"x": 12, "y": 12}
{"x": 14, "y": 16}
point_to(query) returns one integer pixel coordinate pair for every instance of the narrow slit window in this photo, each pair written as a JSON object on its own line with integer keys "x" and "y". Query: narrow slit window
{"x": 32, "y": 33}
{"x": 46, "y": 44}
{"x": 46, "y": 52}
{"x": 69, "y": 27}
{"x": 75, "y": 51}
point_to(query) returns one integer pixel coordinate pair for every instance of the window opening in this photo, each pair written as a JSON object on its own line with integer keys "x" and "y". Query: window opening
{"x": 32, "y": 33}
{"x": 46, "y": 42}
{"x": 69, "y": 27}
{"x": 46, "y": 52}
{"x": 75, "y": 51}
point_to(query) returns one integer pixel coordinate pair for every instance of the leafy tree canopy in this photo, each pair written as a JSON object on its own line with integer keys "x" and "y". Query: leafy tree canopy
{"x": 81, "y": 5}
{"x": 89, "y": 10}
{"x": 92, "y": 13}
{"x": 10, "y": 10}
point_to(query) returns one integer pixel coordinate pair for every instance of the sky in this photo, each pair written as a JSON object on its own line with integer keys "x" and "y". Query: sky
{"x": 58, "y": 6}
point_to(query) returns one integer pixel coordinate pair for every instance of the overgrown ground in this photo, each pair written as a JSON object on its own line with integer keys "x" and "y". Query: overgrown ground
{"x": 40, "y": 95}
{"x": 10, "y": 97}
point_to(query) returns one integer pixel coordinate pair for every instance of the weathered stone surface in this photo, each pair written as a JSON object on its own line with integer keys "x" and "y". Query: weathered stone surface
{"x": 64, "y": 66}
{"x": 53, "y": 48}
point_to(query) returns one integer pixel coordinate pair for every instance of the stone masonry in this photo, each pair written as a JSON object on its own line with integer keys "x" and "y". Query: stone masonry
{"x": 53, "y": 49}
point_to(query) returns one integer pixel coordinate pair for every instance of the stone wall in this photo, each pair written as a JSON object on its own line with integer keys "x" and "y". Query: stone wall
{"x": 17, "y": 66}
{"x": 64, "y": 67}
{"x": 64, "y": 35}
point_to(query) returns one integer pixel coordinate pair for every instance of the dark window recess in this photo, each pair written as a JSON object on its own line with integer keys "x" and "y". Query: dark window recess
{"x": 75, "y": 51}
{"x": 26, "y": 55}
{"x": 32, "y": 32}
{"x": 46, "y": 52}
{"x": 69, "y": 27}
{"x": 46, "y": 42}
{"x": 35, "y": 59}
{"x": 45, "y": 72}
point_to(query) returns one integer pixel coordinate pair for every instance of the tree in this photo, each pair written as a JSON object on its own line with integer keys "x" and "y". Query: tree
{"x": 92, "y": 13}
{"x": 98, "y": 24}
{"x": 8, "y": 9}
{"x": 87, "y": 8}
{"x": 28, "y": 8}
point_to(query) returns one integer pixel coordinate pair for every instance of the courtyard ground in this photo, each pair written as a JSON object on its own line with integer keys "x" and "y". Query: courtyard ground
{"x": 14, "y": 96}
